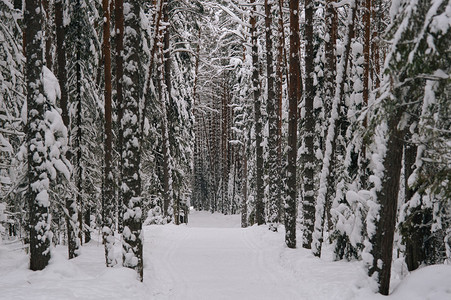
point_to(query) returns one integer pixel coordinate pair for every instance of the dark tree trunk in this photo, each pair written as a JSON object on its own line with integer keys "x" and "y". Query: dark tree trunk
{"x": 271, "y": 108}
{"x": 366, "y": 51}
{"x": 224, "y": 149}
{"x": 244, "y": 221}
{"x": 294, "y": 93}
{"x": 48, "y": 33}
{"x": 167, "y": 104}
{"x": 259, "y": 206}
{"x": 108, "y": 204}
{"x": 119, "y": 24}
{"x": 71, "y": 204}
{"x": 382, "y": 241}
{"x": 412, "y": 237}
{"x": 39, "y": 221}
{"x": 308, "y": 158}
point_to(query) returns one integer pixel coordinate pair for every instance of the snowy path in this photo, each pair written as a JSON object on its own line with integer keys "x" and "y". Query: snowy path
{"x": 211, "y": 258}
{"x": 217, "y": 263}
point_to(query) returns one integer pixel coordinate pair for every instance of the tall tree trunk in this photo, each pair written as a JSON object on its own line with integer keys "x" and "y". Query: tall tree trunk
{"x": 308, "y": 158}
{"x": 108, "y": 183}
{"x": 224, "y": 149}
{"x": 119, "y": 23}
{"x": 131, "y": 173}
{"x": 387, "y": 197}
{"x": 168, "y": 116}
{"x": 366, "y": 51}
{"x": 71, "y": 204}
{"x": 259, "y": 206}
{"x": 271, "y": 108}
{"x": 294, "y": 93}
{"x": 38, "y": 185}
{"x": 79, "y": 158}
{"x": 281, "y": 68}
{"x": 48, "y": 33}
{"x": 244, "y": 221}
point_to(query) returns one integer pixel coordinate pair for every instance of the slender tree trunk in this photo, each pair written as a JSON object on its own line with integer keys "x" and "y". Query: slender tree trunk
{"x": 377, "y": 21}
{"x": 48, "y": 33}
{"x": 119, "y": 16}
{"x": 131, "y": 173}
{"x": 308, "y": 157}
{"x": 413, "y": 237}
{"x": 294, "y": 93}
{"x": 168, "y": 114}
{"x": 259, "y": 205}
{"x": 108, "y": 190}
{"x": 71, "y": 204}
{"x": 78, "y": 142}
{"x": 281, "y": 68}
{"x": 225, "y": 149}
{"x": 244, "y": 221}
{"x": 366, "y": 51}
{"x": 271, "y": 108}
{"x": 37, "y": 194}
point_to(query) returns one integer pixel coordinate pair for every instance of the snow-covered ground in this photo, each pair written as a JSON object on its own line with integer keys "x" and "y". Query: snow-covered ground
{"x": 211, "y": 258}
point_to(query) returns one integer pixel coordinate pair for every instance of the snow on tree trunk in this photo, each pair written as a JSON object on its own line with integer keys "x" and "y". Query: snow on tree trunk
{"x": 308, "y": 157}
{"x": 294, "y": 93}
{"x": 46, "y": 138}
{"x": 108, "y": 203}
{"x": 70, "y": 199}
{"x": 273, "y": 159}
{"x": 131, "y": 156}
{"x": 259, "y": 201}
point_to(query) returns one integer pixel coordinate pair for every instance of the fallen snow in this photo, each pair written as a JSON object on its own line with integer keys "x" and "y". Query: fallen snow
{"x": 211, "y": 258}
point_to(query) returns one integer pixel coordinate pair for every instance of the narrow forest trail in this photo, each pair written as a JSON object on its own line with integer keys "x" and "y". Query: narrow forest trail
{"x": 218, "y": 262}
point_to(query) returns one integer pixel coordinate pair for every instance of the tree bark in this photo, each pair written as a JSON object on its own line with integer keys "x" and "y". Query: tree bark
{"x": 294, "y": 93}
{"x": 308, "y": 158}
{"x": 108, "y": 183}
{"x": 271, "y": 109}
{"x": 71, "y": 204}
{"x": 119, "y": 23}
{"x": 382, "y": 241}
{"x": 39, "y": 219}
{"x": 259, "y": 206}
{"x": 131, "y": 173}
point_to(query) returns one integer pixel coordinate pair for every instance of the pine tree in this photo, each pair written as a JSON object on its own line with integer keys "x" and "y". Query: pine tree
{"x": 108, "y": 205}
{"x": 131, "y": 156}
{"x": 273, "y": 161}
{"x": 417, "y": 57}
{"x": 46, "y": 138}
{"x": 294, "y": 93}
{"x": 71, "y": 204}
{"x": 259, "y": 201}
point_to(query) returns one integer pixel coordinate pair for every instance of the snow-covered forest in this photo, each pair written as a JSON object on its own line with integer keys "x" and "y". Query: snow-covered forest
{"x": 128, "y": 126}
